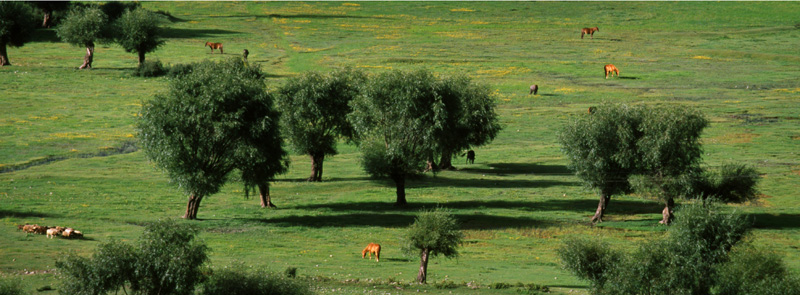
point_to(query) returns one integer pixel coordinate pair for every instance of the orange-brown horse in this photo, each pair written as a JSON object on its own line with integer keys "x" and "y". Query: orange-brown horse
{"x": 370, "y": 249}
{"x": 589, "y": 31}
{"x": 215, "y": 46}
{"x": 611, "y": 69}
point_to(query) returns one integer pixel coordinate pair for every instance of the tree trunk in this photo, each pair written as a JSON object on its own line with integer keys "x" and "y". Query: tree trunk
{"x": 446, "y": 162}
{"x": 431, "y": 166}
{"x": 423, "y": 267}
{"x": 316, "y": 167}
{"x": 141, "y": 58}
{"x": 87, "y": 60}
{"x": 192, "y": 207}
{"x": 400, "y": 182}
{"x": 667, "y": 214}
{"x": 4, "y": 56}
{"x": 266, "y": 200}
{"x": 601, "y": 208}
{"x": 47, "y": 17}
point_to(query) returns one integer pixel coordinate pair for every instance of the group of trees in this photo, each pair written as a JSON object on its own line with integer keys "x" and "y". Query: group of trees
{"x": 134, "y": 28}
{"x": 654, "y": 150}
{"x": 704, "y": 252}
{"x": 218, "y": 118}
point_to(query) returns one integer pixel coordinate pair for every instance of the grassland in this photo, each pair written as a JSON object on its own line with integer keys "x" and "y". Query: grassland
{"x": 67, "y": 155}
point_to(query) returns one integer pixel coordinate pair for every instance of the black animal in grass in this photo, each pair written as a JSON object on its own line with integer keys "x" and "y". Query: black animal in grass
{"x": 471, "y": 157}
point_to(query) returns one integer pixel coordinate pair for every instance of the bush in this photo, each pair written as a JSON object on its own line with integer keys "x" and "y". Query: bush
{"x": 591, "y": 260}
{"x": 150, "y": 69}
{"x": 9, "y": 286}
{"x": 735, "y": 183}
{"x": 532, "y": 288}
{"x": 445, "y": 284}
{"x": 166, "y": 260}
{"x": 180, "y": 70}
{"x": 500, "y": 285}
{"x": 753, "y": 271}
{"x": 234, "y": 282}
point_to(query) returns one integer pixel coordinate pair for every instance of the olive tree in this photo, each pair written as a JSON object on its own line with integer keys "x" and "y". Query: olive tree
{"x": 602, "y": 150}
{"x": 315, "y": 108}
{"x": 84, "y": 26}
{"x": 212, "y": 120}
{"x": 395, "y": 121}
{"x": 471, "y": 117}
{"x": 138, "y": 30}
{"x": 433, "y": 233}
{"x": 17, "y": 22}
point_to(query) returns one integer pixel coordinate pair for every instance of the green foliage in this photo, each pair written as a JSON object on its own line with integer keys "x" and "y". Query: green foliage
{"x": 17, "y": 23}
{"x": 83, "y": 26}
{"x": 115, "y": 9}
{"x": 236, "y": 282}
{"x": 601, "y": 147}
{"x": 435, "y": 231}
{"x": 166, "y": 260}
{"x": 180, "y": 70}
{"x": 532, "y": 288}
{"x": 589, "y": 259}
{"x": 753, "y": 271}
{"x": 208, "y": 123}
{"x": 139, "y": 30}
{"x": 9, "y": 286}
{"x": 734, "y": 183}
{"x": 150, "y": 69}
{"x": 445, "y": 284}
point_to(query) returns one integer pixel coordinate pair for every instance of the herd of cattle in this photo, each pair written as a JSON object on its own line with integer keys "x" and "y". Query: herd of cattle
{"x": 51, "y": 231}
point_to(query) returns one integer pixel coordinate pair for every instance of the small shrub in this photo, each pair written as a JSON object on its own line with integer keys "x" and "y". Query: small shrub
{"x": 290, "y": 272}
{"x": 150, "y": 69}
{"x": 734, "y": 183}
{"x": 532, "y": 288}
{"x": 180, "y": 70}
{"x": 500, "y": 285}
{"x": 233, "y": 282}
{"x": 445, "y": 284}
{"x": 591, "y": 260}
{"x": 9, "y": 286}
{"x": 753, "y": 271}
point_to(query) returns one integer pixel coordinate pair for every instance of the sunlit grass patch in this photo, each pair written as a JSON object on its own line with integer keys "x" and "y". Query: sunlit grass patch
{"x": 730, "y": 138}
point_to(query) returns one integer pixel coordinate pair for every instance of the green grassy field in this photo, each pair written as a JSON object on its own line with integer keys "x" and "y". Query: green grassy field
{"x": 67, "y": 155}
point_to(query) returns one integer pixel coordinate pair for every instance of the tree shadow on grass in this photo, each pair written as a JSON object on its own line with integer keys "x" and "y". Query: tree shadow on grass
{"x": 629, "y": 78}
{"x": 775, "y": 221}
{"x": 195, "y": 33}
{"x": 519, "y": 168}
{"x": 309, "y": 16}
{"x": 395, "y": 220}
{"x": 45, "y": 35}
{"x": 28, "y": 214}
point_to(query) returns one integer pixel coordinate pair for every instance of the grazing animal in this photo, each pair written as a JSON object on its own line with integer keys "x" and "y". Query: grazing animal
{"x": 589, "y": 31}
{"x": 471, "y": 157}
{"x": 215, "y": 46}
{"x": 52, "y": 232}
{"x": 370, "y": 249}
{"x": 534, "y": 89}
{"x": 37, "y": 229}
{"x": 245, "y": 54}
{"x": 592, "y": 110}
{"x": 609, "y": 68}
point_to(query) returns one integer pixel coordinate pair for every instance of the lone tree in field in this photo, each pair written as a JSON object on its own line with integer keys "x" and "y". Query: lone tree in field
{"x": 669, "y": 153}
{"x": 84, "y": 26}
{"x": 138, "y": 30}
{"x": 433, "y": 233}
{"x": 17, "y": 22}
{"x": 471, "y": 117}
{"x": 601, "y": 148}
{"x": 315, "y": 108}
{"x": 395, "y": 121}
{"x": 209, "y": 122}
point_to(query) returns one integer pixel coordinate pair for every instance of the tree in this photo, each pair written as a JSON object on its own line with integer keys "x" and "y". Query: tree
{"x": 395, "y": 122}
{"x": 433, "y": 233}
{"x": 206, "y": 125}
{"x": 84, "y": 26}
{"x": 17, "y": 23}
{"x": 315, "y": 108}
{"x": 48, "y": 7}
{"x": 669, "y": 153}
{"x": 601, "y": 148}
{"x": 139, "y": 30}
{"x": 471, "y": 117}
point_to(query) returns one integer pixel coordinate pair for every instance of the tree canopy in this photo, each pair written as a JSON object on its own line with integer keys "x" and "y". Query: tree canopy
{"x": 209, "y": 122}
{"x": 138, "y": 30}
{"x": 83, "y": 26}
{"x": 314, "y": 109}
{"x": 434, "y": 232}
{"x": 16, "y": 26}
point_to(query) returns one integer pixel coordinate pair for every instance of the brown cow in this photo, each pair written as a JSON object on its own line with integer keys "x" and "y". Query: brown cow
{"x": 589, "y": 31}
{"x": 609, "y": 68}
{"x": 215, "y": 46}
{"x": 370, "y": 249}
{"x": 534, "y": 89}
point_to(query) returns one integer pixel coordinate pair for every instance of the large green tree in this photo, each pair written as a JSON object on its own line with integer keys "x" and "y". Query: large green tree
{"x": 314, "y": 109}
{"x": 212, "y": 120}
{"x": 84, "y": 26}
{"x": 138, "y": 30}
{"x": 669, "y": 153}
{"x": 471, "y": 117}
{"x": 433, "y": 233}
{"x": 17, "y": 22}
{"x": 601, "y": 148}
{"x": 395, "y": 121}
